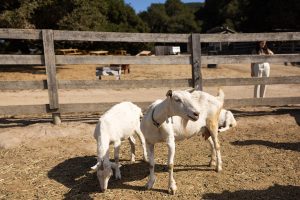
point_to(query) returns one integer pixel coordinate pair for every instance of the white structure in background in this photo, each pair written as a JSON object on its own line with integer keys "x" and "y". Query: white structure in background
{"x": 174, "y": 50}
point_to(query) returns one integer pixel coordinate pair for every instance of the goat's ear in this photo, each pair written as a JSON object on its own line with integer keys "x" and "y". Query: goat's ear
{"x": 169, "y": 93}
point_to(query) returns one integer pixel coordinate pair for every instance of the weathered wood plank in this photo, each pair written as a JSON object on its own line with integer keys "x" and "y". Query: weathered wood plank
{"x": 251, "y": 81}
{"x": 31, "y": 34}
{"x": 101, "y": 107}
{"x": 21, "y": 59}
{"x": 23, "y": 85}
{"x": 24, "y": 109}
{"x": 119, "y": 37}
{"x": 48, "y": 43}
{"x": 278, "y": 101}
{"x": 64, "y": 108}
{"x": 112, "y": 84}
{"x": 154, "y": 60}
{"x": 6, "y": 33}
{"x": 95, "y": 107}
{"x": 251, "y": 37}
{"x": 155, "y": 83}
{"x": 233, "y": 59}
{"x": 147, "y": 60}
{"x": 196, "y": 61}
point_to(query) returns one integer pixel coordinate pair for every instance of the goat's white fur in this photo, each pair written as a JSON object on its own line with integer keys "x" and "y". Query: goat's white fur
{"x": 226, "y": 120}
{"x": 181, "y": 128}
{"x": 117, "y": 124}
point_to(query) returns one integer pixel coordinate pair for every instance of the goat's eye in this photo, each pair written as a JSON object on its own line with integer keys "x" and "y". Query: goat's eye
{"x": 177, "y": 99}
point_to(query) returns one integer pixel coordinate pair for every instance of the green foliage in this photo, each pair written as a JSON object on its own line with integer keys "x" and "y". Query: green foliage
{"x": 171, "y": 17}
{"x": 251, "y": 15}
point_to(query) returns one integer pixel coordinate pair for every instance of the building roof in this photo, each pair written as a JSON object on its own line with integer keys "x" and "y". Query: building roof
{"x": 221, "y": 29}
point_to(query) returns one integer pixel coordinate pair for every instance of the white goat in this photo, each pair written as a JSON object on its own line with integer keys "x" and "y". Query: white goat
{"x": 117, "y": 124}
{"x": 226, "y": 120}
{"x": 180, "y": 127}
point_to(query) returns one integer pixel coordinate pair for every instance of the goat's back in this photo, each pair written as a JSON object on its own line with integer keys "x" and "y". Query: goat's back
{"x": 120, "y": 121}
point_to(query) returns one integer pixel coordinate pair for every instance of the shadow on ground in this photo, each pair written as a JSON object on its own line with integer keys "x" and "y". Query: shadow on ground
{"x": 278, "y": 192}
{"x": 277, "y": 145}
{"x": 75, "y": 173}
{"x": 293, "y": 111}
{"x": 11, "y": 122}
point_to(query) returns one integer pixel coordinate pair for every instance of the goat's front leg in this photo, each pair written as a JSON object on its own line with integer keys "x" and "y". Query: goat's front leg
{"x": 132, "y": 148}
{"x": 150, "y": 152}
{"x": 171, "y": 153}
{"x": 117, "y": 145}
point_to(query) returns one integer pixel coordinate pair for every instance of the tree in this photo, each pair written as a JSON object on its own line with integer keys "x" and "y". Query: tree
{"x": 251, "y": 15}
{"x": 171, "y": 17}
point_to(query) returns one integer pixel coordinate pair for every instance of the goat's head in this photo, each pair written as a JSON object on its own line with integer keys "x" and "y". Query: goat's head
{"x": 104, "y": 172}
{"x": 182, "y": 104}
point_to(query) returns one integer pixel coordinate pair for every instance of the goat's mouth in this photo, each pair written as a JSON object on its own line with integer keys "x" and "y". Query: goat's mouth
{"x": 193, "y": 117}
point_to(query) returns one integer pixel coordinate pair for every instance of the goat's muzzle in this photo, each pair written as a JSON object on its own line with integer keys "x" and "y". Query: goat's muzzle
{"x": 194, "y": 117}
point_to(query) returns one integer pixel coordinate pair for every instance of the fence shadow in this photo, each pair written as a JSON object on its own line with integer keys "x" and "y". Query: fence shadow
{"x": 276, "y": 191}
{"x": 8, "y": 122}
{"x": 279, "y": 145}
{"x": 293, "y": 111}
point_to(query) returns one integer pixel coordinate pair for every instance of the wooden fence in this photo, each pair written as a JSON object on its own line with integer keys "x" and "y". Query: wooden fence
{"x": 50, "y": 60}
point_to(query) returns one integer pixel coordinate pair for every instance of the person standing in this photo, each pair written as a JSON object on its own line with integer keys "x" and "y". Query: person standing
{"x": 260, "y": 69}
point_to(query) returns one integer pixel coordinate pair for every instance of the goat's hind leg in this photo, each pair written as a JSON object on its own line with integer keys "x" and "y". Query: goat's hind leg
{"x": 213, "y": 156}
{"x": 150, "y": 152}
{"x": 132, "y": 148}
{"x": 213, "y": 129}
{"x": 218, "y": 151}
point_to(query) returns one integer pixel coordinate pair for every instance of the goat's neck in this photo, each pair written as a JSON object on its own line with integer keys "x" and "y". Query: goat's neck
{"x": 161, "y": 111}
{"x": 103, "y": 149}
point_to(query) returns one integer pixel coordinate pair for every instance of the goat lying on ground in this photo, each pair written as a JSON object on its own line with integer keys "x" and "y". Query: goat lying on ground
{"x": 117, "y": 124}
{"x": 226, "y": 120}
{"x": 180, "y": 127}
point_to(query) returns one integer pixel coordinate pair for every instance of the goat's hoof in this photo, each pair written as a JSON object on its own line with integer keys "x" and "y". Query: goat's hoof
{"x": 118, "y": 176}
{"x": 146, "y": 160}
{"x": 212, "y": 163}
{"x": 132, "y": 158}
{"x": 150, "y": 184}
{"x": 172, "y": 190}
{"x": 219, "y": 169}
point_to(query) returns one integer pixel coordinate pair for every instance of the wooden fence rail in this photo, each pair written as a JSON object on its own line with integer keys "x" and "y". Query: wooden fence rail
{"x": 195, "y": 59}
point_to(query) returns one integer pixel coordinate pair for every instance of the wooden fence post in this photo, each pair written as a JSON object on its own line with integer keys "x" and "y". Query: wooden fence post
{"x": 195, "y": 46}
{"x": 49, "y": 56}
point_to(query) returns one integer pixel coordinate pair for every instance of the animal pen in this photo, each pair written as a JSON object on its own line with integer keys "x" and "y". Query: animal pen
{"x": 195, "y": 59}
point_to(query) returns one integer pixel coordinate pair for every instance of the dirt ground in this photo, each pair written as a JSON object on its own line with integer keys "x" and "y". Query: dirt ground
{"x": 261, "y": 156}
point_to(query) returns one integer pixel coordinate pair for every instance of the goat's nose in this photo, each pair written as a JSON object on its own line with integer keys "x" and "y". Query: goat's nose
{"x": 196, "y": 114}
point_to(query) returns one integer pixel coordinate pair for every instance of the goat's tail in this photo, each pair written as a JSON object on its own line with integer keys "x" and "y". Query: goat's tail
{"x": 221, "y": 95}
